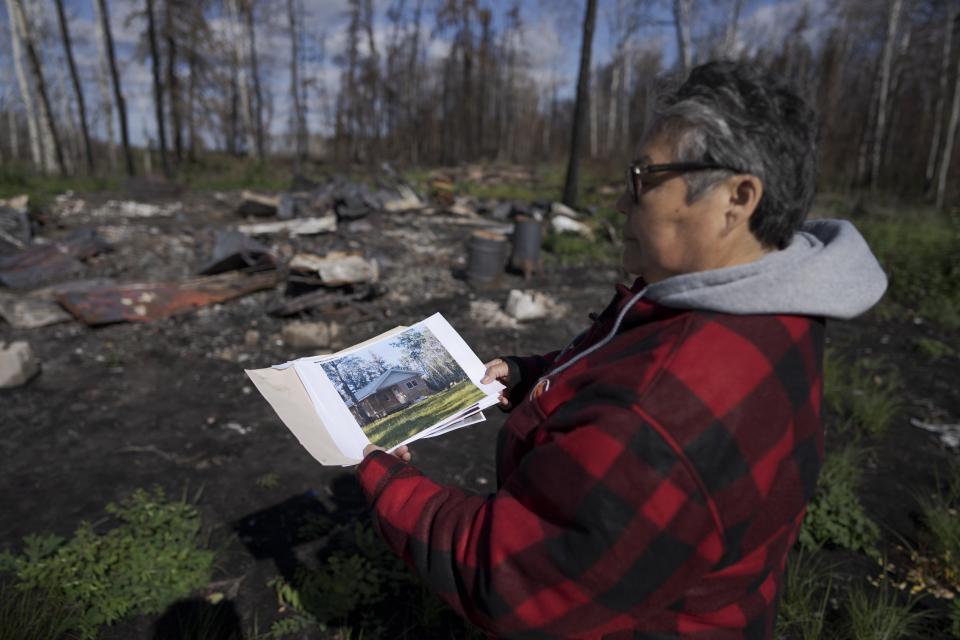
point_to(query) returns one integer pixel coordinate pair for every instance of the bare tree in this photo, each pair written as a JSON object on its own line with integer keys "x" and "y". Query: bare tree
{"x": 103, "y": 81}
{"x": 170, "y": 33}
{"x": 33, "y": 56}
{"x": 949, "y": 23}
{"x": 117, "y": 91}
{"x": 582, "y": 106}
{"x": 26, "y": 91}
{"x": 157, "y": 86}
{"x": 299, "y": 121}
{"x": 240, "y": 69}
{"x": 81, "y": 105}
{"x": 948, "y": 143}
{"x": 255, "y": 78}
{"x": 893, "y": 20}
{"x": 681, "y": 20}
{"x": 730, "y": 37}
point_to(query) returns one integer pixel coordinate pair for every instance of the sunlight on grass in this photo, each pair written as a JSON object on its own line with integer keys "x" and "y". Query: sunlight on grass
{"x": 391, "y": 430}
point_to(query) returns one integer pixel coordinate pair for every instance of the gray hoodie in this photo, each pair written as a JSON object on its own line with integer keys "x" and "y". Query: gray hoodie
{"x": 827, "y": 270}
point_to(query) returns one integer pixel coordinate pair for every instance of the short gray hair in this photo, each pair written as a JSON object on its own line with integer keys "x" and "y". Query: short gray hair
{"x": 739, "y": 115}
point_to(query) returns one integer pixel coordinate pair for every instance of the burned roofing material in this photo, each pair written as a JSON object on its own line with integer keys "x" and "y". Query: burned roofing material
{"x": 45, "y": 263}
{"x": 153, "y": 301}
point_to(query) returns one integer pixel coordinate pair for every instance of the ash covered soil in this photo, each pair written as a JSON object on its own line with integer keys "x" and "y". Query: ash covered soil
{"x": 167, "y": 402}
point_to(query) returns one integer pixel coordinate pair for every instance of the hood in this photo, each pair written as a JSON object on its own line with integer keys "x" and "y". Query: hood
{"x": 827, "y": 270}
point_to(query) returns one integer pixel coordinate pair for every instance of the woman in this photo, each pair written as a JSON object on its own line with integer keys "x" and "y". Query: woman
{"x": 654, "y": 473}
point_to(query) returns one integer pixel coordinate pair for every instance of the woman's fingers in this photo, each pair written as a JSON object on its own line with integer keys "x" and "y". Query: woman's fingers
{"x": 402, "y": 452}
{"x": 496, "y": 369}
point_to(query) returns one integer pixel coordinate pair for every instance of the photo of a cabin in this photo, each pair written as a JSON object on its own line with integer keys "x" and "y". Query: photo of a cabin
{"x": 393, "y": 390}
{"x": 402, "y": 385}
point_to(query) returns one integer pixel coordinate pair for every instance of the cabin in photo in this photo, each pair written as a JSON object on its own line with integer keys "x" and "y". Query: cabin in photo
{"x": 391, "y": 391}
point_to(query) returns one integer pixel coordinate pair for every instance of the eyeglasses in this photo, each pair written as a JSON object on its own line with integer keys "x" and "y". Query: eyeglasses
{"x": 637, "y": 170}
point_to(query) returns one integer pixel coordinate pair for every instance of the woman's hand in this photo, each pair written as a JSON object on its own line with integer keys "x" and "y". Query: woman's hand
{"x": 402, "y": 452}
{"x": 498, "y": 370}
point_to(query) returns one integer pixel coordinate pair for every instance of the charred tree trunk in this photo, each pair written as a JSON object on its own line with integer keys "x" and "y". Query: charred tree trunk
{"x": 581, "y": 108}
{"x": 81, "y": 105}
{"x": 948, "y": 143}
{"x": 681, "y": 20}
{"x": 106, "y": 99}
{"x": 41, "y": 84}
{"x": 157, "y": 87}
{"x": 893, "y": 20}
{"x": 117, "y": 91}
{"x": 941, "y": 97}
{"x": 295, "y": 88}
{"x": 255, "y": 78}
{"x": 26, "y": 91}
{"x": 730, "y": 38}
{"x": 240, "y": 70}
{"x": 173, "y": 83}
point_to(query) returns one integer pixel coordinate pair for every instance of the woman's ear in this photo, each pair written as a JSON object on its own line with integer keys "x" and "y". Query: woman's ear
{"x": 745, "y": 193}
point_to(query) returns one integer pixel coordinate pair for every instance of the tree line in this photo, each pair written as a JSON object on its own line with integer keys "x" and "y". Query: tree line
{"x": 884, "y": 75}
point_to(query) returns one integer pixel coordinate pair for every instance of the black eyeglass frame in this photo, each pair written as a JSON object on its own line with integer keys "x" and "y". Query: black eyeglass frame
{"x": 636, "y": 170}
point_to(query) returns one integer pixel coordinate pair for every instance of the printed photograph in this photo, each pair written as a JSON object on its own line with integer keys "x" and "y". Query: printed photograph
{"x": 401, "y": 386}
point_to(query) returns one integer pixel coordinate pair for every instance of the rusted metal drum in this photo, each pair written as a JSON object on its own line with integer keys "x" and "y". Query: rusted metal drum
{"x": 526, "y": 245}
{"x": 486, "y": 257}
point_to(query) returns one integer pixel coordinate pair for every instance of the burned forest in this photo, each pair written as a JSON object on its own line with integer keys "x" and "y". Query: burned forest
{"x": 190, "y": 190}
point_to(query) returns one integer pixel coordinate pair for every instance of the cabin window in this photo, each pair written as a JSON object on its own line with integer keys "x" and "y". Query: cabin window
{"x": 411, "y": 384}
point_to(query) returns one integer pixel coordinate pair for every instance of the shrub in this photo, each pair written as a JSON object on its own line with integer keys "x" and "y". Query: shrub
{"x": 349, "y": 582}
{"x": 149, "y": 560}
{"x": 835, "y": 515}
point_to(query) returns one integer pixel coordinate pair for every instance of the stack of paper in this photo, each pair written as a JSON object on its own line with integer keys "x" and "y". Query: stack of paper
{"x": 406, "y": 384}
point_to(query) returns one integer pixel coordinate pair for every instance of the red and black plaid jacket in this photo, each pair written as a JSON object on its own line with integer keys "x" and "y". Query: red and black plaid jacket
{"x": 652, "y": 491}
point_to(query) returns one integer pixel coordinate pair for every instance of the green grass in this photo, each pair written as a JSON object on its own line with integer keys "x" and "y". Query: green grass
{"x": 881, "y": 615}
{"x": 19, "y": 179}
{"x": 151, "y": 558}
{"x": 933, "y": 349}
{"x": 863, "y": 394}
{"x": 807, "y": 587}
{"x": 268, "y": 481}
{"x": 941, "y": 515}
{"x": 919, "y": 254}
{"x": 836, "y": 516}
{"x": 34, "y": 615}
{"x": 393, "y": 429}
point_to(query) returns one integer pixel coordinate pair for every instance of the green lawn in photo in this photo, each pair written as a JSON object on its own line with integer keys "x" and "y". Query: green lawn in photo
{"x": 397, "y": 427}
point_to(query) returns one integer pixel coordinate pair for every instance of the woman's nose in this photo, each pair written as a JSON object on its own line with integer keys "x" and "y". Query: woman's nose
{"x": 624, "y": 202}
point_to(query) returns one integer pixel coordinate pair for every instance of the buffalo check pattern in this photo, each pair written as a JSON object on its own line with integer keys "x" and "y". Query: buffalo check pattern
{"x": 652, "y": 491}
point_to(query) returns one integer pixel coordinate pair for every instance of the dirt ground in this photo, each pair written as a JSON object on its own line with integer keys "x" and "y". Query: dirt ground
{"x": 167, "y": 403}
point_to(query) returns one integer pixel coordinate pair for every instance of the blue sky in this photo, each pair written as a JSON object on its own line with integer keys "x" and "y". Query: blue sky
{"x": 551, "y": 38}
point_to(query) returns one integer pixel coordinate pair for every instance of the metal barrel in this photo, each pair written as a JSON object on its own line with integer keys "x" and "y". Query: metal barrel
{"x": 486, "y": 256}
{"x": 526, "y": 245}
